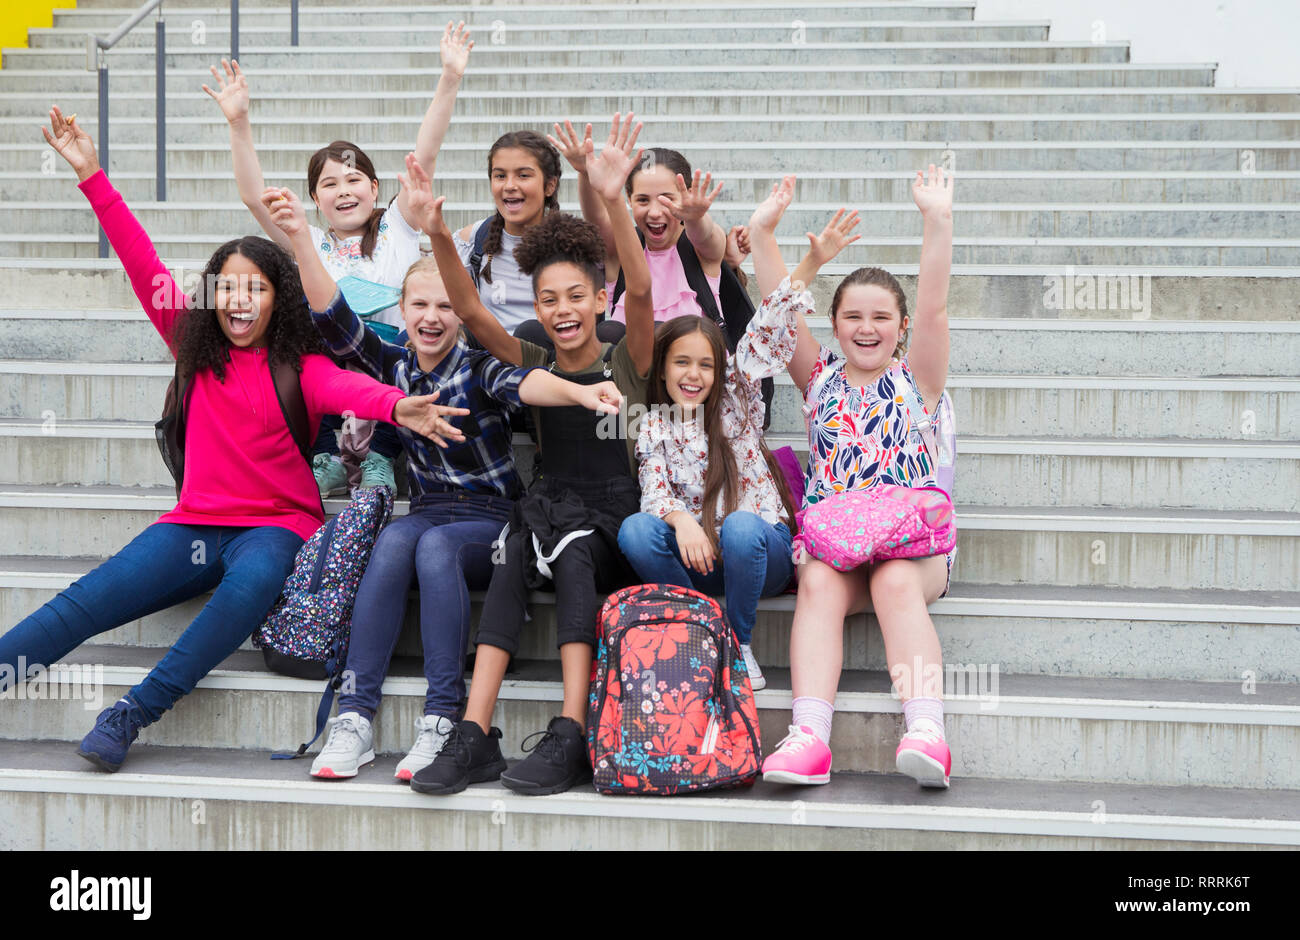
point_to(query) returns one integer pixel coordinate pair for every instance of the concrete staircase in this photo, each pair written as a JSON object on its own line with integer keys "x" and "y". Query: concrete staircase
{"x": 1125, "y": 614}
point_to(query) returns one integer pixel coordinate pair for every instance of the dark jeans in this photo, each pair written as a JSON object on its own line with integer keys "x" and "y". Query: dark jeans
{"x": 384, "y": 441}
{"x": 755, "y": 562}
{"x": 445, "y": 545}
{"x": 165, "y": 564}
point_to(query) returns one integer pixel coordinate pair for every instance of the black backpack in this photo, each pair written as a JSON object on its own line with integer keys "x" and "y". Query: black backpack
{"x": 170, "y": 428}
{"x": 737, "y": 309}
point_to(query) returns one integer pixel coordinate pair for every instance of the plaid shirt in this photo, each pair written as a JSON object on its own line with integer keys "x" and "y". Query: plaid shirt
{"x": 466, "y": 378}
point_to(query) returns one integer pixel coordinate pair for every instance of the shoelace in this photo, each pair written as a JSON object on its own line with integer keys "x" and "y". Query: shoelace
{"x": 425, "y": 738}
{"x": 120, "y": 721}
{"x": 549, "y": 746}
{"x": 925, "y": 734}
{"x": 798, "y": 739}
{"x": 340, "y": 728}
{"x": 456, "y": 748}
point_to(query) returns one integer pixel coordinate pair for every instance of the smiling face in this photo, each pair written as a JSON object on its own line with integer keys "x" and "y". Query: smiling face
{"x": 346, "y": 197}
{"x": 567, "y": 304}
{"x": 245, "y": 299}
{"x": 868, "y": 327}
{"x": 519, "y": 188}
{"x": 431, "y": 324}
{"x": 689, "y": 371}
{"x": 656, "y": 222}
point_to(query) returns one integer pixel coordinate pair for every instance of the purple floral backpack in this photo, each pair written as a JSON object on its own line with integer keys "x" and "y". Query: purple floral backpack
{"x": 307, "y": 631}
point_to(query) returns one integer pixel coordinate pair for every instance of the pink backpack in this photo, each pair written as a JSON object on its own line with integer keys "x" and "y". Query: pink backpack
{"x": 847, "y": 530}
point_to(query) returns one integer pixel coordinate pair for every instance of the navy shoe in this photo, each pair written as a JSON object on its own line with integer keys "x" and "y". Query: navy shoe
{"x": 115, "y": 730}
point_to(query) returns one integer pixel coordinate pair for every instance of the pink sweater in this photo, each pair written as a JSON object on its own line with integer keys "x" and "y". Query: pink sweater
{"x": 242, "y": 467}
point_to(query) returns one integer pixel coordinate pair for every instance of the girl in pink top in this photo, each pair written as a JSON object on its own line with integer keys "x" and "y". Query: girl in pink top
{"x": 247, "y": 500}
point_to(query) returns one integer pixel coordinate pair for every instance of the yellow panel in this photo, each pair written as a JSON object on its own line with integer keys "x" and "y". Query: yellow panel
{"x": 22, "y": 15}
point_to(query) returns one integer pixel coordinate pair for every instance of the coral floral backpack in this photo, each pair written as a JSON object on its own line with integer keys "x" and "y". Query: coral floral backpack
{"x": 671, "y": 708}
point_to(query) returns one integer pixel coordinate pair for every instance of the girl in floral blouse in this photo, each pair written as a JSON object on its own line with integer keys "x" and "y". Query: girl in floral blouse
{"x": 713, "y": 515}
{"x": 861, "y": 435}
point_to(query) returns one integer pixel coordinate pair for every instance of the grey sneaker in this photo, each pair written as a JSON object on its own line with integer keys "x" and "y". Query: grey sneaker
{"x": 756, "y": 680}
{"x": 350, "y": 745}
{"x": 431, "y": 735}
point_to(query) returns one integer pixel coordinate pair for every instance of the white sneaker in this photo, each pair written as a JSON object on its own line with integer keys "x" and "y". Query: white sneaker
{"x": 756, "y": 680}
{"x": 431, "y": 735}
{"x": 350, "y": 744}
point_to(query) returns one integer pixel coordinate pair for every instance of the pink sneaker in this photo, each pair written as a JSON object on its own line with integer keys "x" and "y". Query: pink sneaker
{"x": 801, "y": 757}
{"x": 924, "y": 756}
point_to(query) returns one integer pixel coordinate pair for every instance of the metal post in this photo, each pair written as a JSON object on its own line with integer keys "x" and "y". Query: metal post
{"x": 234, "y": 29}
{"x": 160, "y": 110}
{"x": 293, "y": 23}
{"x": 103, "y": 139}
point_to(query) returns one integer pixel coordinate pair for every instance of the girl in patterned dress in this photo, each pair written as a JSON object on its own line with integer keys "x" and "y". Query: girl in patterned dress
{"x": 714, "y": 516}
{"x": 861, "y": 435}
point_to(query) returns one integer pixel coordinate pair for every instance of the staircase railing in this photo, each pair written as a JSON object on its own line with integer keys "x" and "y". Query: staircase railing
{"x": 96, "y": 61}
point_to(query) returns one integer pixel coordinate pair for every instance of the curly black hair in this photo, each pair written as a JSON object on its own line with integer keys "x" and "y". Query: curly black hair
{"x": 197, "y": 336}
{"x": 560, "y": 238}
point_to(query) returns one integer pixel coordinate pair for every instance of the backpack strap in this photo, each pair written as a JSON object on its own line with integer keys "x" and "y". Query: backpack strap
{"x": 700, "y": 284}
{"x": 288, "y": 392}
{"x": 924, "y": 423}
{"x": 476, "y": 255}
{"x": 819, "y": 383}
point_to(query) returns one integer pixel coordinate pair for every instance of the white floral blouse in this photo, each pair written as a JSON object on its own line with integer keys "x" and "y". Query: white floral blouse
{"x": 674, "y": 457}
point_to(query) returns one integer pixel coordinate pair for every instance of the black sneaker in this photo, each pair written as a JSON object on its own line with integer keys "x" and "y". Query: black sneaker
{"x": 469, "y": 756}
{"x": 556, "y": 763}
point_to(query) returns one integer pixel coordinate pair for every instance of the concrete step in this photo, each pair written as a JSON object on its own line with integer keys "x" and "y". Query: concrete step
{"x": 666, "y": 123}
{"x": 1189, "y": 549}
{"x": 1042, "y": 629}
{"x": 1046, "y": 406}
{"x": 1064, "y": 159}
{"x": 1147, "y": 732}
{"x": 746, "y": 186}
{"x": 1143, "y": 252}
{"x": 977, "y": 225}
{"x": 1222, "y": 474}
{"x": 206, "y": 798}
{"x": 755, "y": 68}
{"x": 762, "y": 93}
{"x": 1151, "y": 323}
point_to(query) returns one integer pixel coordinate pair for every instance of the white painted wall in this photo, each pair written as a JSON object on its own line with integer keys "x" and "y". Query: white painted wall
{"x": 1256, "y": 43}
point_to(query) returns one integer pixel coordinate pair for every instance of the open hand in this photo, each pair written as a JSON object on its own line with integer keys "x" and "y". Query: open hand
{"x": 454, "y": 48}
{"x": 933, "y": 195}
{"x": 286, "y": 210}
{"x": 770, "y": 210}
{"x": 609, "y": 171}
{"x": 691, "y": 202}
{"x": 424, "y": 417}
{"x": 834, "y": 237}
{"x": 420, "y": 201}
{"x": 232, "y": 93}
{"x": 575, "y": 150}
{"x": 72, "y": 143}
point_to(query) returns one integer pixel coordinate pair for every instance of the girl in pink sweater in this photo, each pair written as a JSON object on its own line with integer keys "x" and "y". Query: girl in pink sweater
{"x": 247, "y": 498}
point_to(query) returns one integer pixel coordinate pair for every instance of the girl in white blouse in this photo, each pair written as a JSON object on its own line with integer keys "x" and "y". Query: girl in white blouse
{"x": 714, "y": 515}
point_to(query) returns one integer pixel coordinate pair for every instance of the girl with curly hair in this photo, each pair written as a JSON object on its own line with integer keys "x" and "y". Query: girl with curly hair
{"x": 247, "y": 499}
{"x": 565, "y": 531}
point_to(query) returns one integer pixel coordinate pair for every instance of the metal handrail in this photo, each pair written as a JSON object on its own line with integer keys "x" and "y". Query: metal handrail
{"x": 96, "y": 46}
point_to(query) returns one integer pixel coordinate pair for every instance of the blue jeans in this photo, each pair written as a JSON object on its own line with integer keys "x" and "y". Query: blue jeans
{"x": 755, "y": 562}
{"x": 165, "y": 564}
{"x": 445, "y": 543}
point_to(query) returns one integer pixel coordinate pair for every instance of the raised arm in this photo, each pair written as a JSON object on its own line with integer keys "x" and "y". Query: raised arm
{"x": 232, "y": 97}
{"x": 575, "y": 150}
{"x": 464, "y": 296}
{"x": 454, "y": 47}
{"x": 929, "y": 346}
{"x": 608, "y": 172}
{"x": 691, "y": 206}
{"x": 158, "y": 293}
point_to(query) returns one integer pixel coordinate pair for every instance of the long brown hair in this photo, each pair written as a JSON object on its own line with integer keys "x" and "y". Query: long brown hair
{"x": 548, "y": 161}
{"x": 350, "y": 155}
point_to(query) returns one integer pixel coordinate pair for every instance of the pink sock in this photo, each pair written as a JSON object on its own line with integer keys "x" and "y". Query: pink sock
{"x": 926, "y": 710}
{"x": 815, "y": 714}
